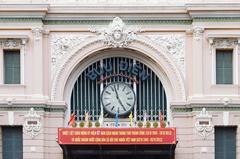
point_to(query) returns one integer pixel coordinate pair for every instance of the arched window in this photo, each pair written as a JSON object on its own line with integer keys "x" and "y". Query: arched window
{"x": 150, "y": 95}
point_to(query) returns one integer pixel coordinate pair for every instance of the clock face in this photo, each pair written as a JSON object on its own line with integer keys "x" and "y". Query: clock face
{"x": 118, "y": 97}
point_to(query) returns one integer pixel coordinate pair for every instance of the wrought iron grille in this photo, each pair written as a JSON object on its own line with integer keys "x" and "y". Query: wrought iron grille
{"x": 150, "y": 94}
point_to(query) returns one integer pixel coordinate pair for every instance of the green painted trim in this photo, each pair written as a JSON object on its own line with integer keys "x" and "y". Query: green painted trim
{"x": 94, "y": 22}
{"x": 106, "y": 22}
{"x": 216, "y": 19}
{"x": 75, "y": 22}
{"x": 20, "y": 20}
{"x": 45, "y": 108}
{"x": 215, "y": 108}
{"x": 129, "y": 22}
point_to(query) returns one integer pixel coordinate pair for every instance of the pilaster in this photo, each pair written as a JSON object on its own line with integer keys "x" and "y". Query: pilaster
{"x": 197, "y": 59}
{"x": 37, "y": 61}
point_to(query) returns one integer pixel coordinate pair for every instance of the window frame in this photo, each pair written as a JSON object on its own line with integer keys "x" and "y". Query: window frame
{"x": 232, "y": 52}
{"x": 225, "y": 127}
{"x": 11, "y": 51}
{"x": 219, "y": 44}
{"x": 13, "y": 44}
{"x": 18, "y": 129}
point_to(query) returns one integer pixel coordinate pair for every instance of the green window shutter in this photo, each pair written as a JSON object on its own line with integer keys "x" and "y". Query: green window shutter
{"x": 12, "y": 138}
{"x": 11, "y": 66}
{"x": 225, "y": 142}
{"x": 224, "y": 67}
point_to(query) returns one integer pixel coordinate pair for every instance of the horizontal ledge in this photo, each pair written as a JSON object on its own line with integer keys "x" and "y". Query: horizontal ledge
{"x": 209, "y": 36}
{"x": 14, "y": 37}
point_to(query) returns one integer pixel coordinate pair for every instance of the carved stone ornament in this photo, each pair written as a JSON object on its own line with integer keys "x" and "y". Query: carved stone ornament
{"x": 174, "y": 44}
{"x": 37, "y": 32}
{"x": 11, "y": 43}
{"x": 197, "y": 32}
{"x": 203, "y": 125}
{"x": 224, "y": 43}
{"x": 116, "y": 35}
{"x": 62, "y": 44}
{"x": 32, "y": 123}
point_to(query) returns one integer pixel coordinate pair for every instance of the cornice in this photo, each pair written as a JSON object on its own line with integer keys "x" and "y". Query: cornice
{"x": 145, "y": 9}
{"x": 40, "y": 107}
{"x": 213, "y": 6}
{"x": 24, "y": 7}
{"x": 23, "y": 10}
{"x": 131, "y": 15}
{"x": 179, "y": 109}
{"x": 212, "y": 36}
{"x": 206, "y": 11}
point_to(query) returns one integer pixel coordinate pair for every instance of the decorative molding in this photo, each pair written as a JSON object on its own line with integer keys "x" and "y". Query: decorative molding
{"x": 197, "y": 32}
{"x": 20, "y": 20}
{"x": 61, "y": 44}
{"x": 216, "y": 19}
{"x": 175, "y": 46}
{"x": 116, "y": 2}
{"x": 226, "y": 101}
{"x": 32, "y": 123}
{"x": 127, "y": 22}
{"x": 116, "y": 35}
{"x": 224, "y": 43}
{"x": 26, "y": 107}
{"x": 216, "y": 108}
{"x": 37, "y": 32}
{"x": 203, "y": 125}
{"x": 12, "y": 43}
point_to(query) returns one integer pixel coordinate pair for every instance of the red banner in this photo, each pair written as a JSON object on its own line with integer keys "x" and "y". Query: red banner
{"x": 121, "y": 136}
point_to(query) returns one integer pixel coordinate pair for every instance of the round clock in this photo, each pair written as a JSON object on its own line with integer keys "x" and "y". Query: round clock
{"x": 118, "y": 97}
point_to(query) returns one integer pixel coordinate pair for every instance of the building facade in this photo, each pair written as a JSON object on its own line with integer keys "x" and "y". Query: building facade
{"x": 138, "y": 61}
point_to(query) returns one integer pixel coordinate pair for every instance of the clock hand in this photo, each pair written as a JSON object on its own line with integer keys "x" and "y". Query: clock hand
{"x": 120, "y": 102}
{"x": 116, "y": 92}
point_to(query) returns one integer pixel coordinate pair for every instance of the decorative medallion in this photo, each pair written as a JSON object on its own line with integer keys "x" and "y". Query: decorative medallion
{"x": 32, "y": 123}
{"x": 116, "y": 35}
{"x": 203, "y": 125}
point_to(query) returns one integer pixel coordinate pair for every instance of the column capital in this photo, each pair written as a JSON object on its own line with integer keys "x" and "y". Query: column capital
{"x": 37, "y": 32}
{"x": 197, "y": 32}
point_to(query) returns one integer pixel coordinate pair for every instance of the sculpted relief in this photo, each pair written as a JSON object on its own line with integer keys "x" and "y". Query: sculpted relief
{"x": 63, "y": 43}
{"x": 174, "y": 45}
{"x": 116, "y": 35}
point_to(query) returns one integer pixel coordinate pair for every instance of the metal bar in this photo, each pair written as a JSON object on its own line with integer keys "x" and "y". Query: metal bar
{"x": 139, "y": 97}
{"x": 101, "y": 85}
{"x": 88, "y": 94}
{"x": 143, "y": 95}
{"x": 159, "y": 98}
{"x": 96, "y": 94}
{"x": 77, "y": 87}
{"x": 147, "y": 94}
{"x": 155, "y": 95}
{"x": 92, "y": 97}
{"x": 85, "y": 92}
{"x": 150, "y": 95}
{"x": 74, "y": 104}
{"x": 135, "y": 90}
{"x": 162, "y": 99}
{"x": 81, "y": 101}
